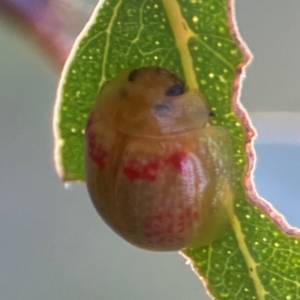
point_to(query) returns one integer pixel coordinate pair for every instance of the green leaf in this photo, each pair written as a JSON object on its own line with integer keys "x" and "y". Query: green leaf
{"x": 195, "y": 39}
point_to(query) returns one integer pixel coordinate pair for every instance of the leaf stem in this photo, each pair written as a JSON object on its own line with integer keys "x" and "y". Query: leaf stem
{"x": 182, "y": 33}
{"x": 250, "y": 262}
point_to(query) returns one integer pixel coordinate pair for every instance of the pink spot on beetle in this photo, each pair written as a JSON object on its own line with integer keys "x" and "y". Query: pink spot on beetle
{"x": 96, "y": 151}
{"x": 135, "y": 169}
{"x": 95, "y": 148}
{"x": 162, "y": 229}
{"x": 178, "y": 159}
{"x": 90, "y": 121}
{"x": 169, "y": 227}
{"x": 148, "y": 171}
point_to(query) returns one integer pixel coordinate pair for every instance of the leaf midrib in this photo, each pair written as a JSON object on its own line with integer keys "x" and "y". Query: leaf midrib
{"x": 182, "y": 33}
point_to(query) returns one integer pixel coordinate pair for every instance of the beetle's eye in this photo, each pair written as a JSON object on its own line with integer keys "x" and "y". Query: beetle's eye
{"x": 132, "y": 75}
{"x": 161, "y": 109}
{"x": 175, "y": 90}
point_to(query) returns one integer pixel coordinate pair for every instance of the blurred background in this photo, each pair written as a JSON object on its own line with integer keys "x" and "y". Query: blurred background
{"x": 53, "y": 245}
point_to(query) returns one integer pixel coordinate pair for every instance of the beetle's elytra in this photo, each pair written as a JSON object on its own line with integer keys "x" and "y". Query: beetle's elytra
{"x": 156, "y": 172}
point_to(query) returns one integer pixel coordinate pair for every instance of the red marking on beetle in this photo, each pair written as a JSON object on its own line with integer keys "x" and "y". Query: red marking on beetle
{"x": 135, "y": 169}
{"x": 170, "y": 227}
{"x": 169, "y": 215}
{"x": 95, "y": 149}
{"x": 178, "y": 159}
{"x": 181, "y": 216}
{"x": 159, "y": 217}
{"x": 147, "y": 222}
{"x": 188, "y": 212}
{"x": 90, "y": 121}
{"x": 162, "y": 229}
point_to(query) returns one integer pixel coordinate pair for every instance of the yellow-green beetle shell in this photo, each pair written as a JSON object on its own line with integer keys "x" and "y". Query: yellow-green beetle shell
{"x": 156, "y": 172}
